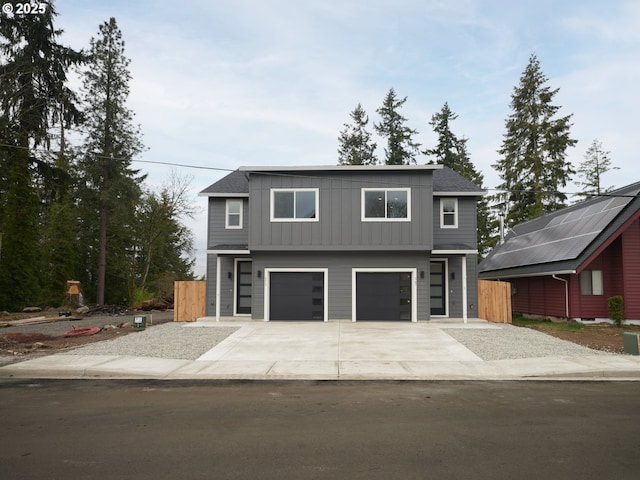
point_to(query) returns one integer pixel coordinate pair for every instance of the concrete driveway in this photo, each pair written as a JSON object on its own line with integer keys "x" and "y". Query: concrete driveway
{"x": 338, "y": 350}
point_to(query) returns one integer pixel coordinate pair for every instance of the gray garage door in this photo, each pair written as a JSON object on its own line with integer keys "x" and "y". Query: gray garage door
{"x": 296, "y": 296}
{"x": 384, "y": 296}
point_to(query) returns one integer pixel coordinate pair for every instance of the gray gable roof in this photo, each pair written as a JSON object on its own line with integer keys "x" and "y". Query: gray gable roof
{"x": 562, "y": 240}
{"x": 445, "y": 180}
{"x": 449, "y": 181}
{"x": 236, "y": 182}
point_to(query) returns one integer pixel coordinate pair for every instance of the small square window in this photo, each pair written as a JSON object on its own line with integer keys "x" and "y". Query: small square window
{"x": 448, "y": 213}
{"x": 591, "y": 282}
{"x": 233, "y": 214}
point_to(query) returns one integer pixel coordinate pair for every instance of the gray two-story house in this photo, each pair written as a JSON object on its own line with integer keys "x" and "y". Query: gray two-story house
{"x": 387, "y": 243}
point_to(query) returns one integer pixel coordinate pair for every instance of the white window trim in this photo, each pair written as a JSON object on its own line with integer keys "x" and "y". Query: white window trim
{"x": 455, "y": 215}
{"x": 595, "y": 280}
{"x": 414, "y": 287}
{"x": 267, "y": 287}
{"x": 385, "y": 190}
{"x": 272, "y": 206}
{"x": 226, "y": 214}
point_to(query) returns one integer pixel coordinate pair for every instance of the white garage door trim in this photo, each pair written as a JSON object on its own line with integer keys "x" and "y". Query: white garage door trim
{"x": 414, "y": 287}
{"x": 267, "y": 287}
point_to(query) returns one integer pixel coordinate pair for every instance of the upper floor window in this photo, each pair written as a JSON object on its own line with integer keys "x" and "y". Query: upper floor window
{"x": 294, "y": 205}
{"x": 591, "y": 282}
{"x": 380, "y": 204}
{"x": 233, "y": 214}
{"x": 448, "y": 213}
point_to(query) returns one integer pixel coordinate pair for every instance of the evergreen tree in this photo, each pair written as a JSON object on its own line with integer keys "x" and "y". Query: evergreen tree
{"x": 112, "y": 188}
{"x": 164, "y": 244}
{"x": 596, "y": 163}
{"x": 533, "y": 164}
{"x": 355, "y": 145}
{"x": 33, "y": 95}
{"x": 400, "y": 149}
{"x": 452, "y": 152}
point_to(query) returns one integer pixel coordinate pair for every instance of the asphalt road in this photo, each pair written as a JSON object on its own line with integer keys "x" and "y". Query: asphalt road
{"x": 305, "y": 430}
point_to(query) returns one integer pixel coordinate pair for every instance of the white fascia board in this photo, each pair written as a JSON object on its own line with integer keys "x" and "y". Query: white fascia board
{"x": 541, "y": 274}
{"x": 483, "y": 193}
{"x": 229, "y": 252}
{"x": 224, "y": 195}
{"x": 454, "y": 252}
{"x": 338, "y": 168}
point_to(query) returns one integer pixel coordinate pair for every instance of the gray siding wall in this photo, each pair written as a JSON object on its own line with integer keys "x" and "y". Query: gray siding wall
{"x": 454, "y": 286}
{"x": 226, "y": 285}
{"x": 340, "y": 275}
{"x": 340, "y": 226}
{"x": 217, "y": 233}
{"x": 466, "y": 233}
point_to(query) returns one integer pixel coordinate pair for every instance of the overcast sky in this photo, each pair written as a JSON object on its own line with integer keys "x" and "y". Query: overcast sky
{"x": 226, "y": 83}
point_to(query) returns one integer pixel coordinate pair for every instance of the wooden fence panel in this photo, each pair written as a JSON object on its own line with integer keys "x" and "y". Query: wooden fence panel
{"x": 189, "y": 301}
{"x": 494, "y": 301}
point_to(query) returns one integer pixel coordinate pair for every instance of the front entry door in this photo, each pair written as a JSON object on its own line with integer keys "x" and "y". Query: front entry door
{"x": 438, "y": 287}
{"x": 243, "y": 287}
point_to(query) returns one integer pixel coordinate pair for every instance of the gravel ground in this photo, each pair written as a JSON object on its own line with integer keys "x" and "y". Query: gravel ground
{"x": 173, "y": 340}
{"x": 509, "y": 342}
{"x": 170, "y": 340}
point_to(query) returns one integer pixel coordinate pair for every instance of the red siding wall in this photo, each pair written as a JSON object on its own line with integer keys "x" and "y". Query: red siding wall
{"x": 539, "y": 296}
{"x": 620, "y": 265}
{"x": 631, "y": 270}
{"x": 595, "y": 306}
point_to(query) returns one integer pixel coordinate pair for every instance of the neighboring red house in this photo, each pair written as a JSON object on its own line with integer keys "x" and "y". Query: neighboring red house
{"x": 568, "y": 263}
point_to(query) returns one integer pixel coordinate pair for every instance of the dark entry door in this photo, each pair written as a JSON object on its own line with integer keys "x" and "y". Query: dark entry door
{"x": 243, "y": 287}
{"x": 438, "y": 287}
{"x": 296, "y": 296}
{"x": 384, "y": 296}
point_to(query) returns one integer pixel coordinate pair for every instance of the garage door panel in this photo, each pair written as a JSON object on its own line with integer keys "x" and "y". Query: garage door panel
{"x": 383, "y": 296}
{"x": 296, "y": 296}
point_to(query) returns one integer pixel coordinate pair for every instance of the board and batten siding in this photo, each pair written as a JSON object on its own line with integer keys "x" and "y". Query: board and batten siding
{"x": 340, "y": 267}
{"x": 466, "y": 231}
{"x": 340, "y": 225}
{"x": 217, "y": 233}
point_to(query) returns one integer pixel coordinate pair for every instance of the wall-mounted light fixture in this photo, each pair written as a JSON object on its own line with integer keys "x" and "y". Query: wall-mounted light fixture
{"x": 229, "y": 275}
{"x": 259, "y": 273}
{"x": 453, "y": 275}
{"x": 422, "y": 274}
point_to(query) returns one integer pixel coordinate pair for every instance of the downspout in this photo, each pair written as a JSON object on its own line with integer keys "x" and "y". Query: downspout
{"x": 566, "y": 293}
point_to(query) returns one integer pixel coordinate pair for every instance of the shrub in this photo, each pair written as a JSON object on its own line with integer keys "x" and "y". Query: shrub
{"x": 616, "y": 309}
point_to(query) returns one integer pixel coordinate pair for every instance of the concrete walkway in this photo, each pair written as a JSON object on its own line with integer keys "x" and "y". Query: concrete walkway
{"x": 333, "y": 351}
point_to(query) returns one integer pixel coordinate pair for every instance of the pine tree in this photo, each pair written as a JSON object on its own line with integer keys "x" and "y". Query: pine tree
{"x": 452, "y": 152}
{"x": 33, "y": 95}
{"x": 164, "y": 243}
{"x": 112, "y": 187}
{"x": 355, "y": 145}
{"x": 400, "y": 149}
{"x": 596, "y": 163}
{"x": 533, "y": 164}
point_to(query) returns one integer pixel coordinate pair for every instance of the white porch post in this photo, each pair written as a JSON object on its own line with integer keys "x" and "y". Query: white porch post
{"x": 464, "y": 288}
{"x": 217, "y": 288}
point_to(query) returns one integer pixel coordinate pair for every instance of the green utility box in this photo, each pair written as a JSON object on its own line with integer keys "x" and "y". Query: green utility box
{"x": 139, "y": 322}
{"x": 631, "y": 342}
